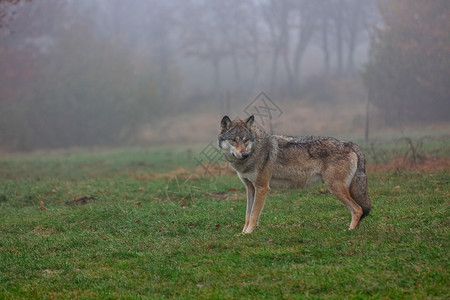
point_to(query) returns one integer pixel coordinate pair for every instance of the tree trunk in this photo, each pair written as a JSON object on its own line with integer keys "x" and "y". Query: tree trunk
{"x": 216, "y": 79}
{"x": 305, "y": 34}
{"x": 353, "y": 31}
{"x": 339, "y": 36}
{"x": 326, "y": 51}
{"x": 273, "y": 69}
{"x": 236, "y": 70}
{"x": 284, "y": 41}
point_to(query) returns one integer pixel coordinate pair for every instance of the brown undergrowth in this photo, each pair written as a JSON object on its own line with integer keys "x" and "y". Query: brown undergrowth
{"x": 400, "y": 163}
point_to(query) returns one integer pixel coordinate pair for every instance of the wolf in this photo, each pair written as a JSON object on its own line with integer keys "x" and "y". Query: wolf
{"x": 263, "y": 161}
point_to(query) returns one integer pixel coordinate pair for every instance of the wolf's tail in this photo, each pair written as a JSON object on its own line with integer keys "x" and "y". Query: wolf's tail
{"x": 358, "y": 186}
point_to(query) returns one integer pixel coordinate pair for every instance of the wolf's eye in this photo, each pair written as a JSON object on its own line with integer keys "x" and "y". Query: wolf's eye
{"x": 245, "y": 140}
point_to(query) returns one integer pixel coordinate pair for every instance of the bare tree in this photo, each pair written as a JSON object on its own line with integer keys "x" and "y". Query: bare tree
{"x": 349, "y": 19}
{"x": 359, "y": 15}
{"x": 291, "y": 26}
{"x": 306, "y": 27}
{"x": 8, "y": 9}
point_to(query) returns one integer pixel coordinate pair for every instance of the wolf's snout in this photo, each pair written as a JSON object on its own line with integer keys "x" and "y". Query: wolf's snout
{"x": 241, "y": 156}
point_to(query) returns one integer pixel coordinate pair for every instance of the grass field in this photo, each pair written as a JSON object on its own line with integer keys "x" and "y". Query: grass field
{"x": 140, "y": 223}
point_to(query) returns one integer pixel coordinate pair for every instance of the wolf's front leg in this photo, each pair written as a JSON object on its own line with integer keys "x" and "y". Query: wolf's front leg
{"x": 250, "y": 199}
{"x": 258, "y": 204}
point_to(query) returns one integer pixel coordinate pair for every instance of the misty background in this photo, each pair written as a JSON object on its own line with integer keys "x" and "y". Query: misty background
{"x": 111, "y": 72}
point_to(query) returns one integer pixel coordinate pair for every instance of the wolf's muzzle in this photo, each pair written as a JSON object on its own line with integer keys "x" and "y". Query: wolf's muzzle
{"x": 242, "y": 156}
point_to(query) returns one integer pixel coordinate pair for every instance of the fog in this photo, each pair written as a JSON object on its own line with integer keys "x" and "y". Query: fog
{"x": 112, "y": 72}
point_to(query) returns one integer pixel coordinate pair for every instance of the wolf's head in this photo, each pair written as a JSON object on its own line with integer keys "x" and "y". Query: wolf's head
{"x": 236, "y": 139}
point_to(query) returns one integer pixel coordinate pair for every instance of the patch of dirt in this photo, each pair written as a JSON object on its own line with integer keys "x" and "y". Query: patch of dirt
{"x": 231, "y": 195}
{"x": 207, "y": 169}
{"x": 399, "y": 163}
{"x": 178, "y": 172}
{"x": 81, "y": 200}
{"x": 44, "y": 231}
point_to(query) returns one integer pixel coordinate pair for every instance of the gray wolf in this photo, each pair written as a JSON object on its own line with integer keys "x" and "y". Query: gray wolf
{"x": 263, "y": 161}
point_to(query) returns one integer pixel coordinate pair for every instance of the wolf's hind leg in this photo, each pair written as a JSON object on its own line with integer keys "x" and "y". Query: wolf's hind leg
{"x": 343, "y": 194}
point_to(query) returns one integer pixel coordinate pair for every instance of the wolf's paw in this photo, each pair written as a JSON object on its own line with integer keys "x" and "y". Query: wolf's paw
{"x": 248, "y": 230}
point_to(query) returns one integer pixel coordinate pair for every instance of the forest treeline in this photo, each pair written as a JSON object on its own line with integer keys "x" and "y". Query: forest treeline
{"x": 408, "y": 74}
{"x": 80, "y": 73}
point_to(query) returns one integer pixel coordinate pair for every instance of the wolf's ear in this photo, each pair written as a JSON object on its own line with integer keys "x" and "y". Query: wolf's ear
{"x": 225, "y": 123}
{"x": 249, "y": 121}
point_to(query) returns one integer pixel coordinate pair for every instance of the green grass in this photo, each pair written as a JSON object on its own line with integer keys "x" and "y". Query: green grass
{"x": 178, "y": 236}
